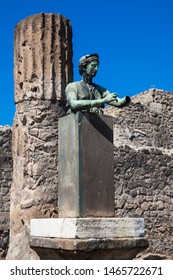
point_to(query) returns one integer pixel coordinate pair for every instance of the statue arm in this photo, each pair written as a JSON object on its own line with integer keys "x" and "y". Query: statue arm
{"x": 118, "y": 102}
{"x": 77, "y": 105}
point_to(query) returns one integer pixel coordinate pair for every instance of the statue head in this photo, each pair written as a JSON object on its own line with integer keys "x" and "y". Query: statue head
{"x": 87, "y": 59}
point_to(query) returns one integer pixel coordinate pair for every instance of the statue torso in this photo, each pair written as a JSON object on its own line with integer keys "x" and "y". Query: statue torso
{"x": 88, "y": 91}
{"x": 84, "y": 91}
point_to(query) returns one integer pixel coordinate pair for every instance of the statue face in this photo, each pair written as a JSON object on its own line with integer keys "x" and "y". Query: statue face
{"x": 91, "y": 69}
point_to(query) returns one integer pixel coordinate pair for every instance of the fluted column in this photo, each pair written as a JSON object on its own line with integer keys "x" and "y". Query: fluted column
{"x": 42, "y": 68}
{"x": 42, "y": 57}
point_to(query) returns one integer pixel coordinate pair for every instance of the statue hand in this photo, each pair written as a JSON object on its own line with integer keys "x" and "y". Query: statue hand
{"x": 111, "y": 97}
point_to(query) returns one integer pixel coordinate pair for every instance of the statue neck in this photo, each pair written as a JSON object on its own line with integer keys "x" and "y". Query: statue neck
{"x": 86, "y": 79}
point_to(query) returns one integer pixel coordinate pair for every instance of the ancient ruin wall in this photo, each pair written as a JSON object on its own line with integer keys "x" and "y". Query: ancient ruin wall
{"x": 5, "y": 185}
{"x": 43, "y": 66}
{"x": 143, "y": 160}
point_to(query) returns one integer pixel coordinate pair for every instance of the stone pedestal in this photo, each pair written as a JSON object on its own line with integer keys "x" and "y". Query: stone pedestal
{"x": 86, "y": 183}
{"x": 82, "y": 228}
{"x": 86, "y": 227}
{"x": 88, "y": 238}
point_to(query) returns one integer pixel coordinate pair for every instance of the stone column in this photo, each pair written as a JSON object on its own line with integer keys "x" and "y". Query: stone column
{"x": 42, "y": 58}
{"x": 43, "y": 67}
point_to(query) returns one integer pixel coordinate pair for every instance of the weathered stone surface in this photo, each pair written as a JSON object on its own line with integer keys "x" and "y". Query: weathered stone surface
{"x": 88, "y": 249}
{"x": 150, "y": 256}
{"x": 34, "y": 191}
{"x": 143, "y": 154}
{"x": 88, "y": 227}
{"x": 4, "y": 242}
{"x": 4, "y": 221}
{"x": 86, "y": 186}
{"x": 42, "y": 57}
{"x": 5, "y": 185}
{"x": 42, "y": 68}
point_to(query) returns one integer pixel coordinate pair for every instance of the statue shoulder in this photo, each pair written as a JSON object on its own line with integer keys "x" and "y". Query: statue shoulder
{"x": 71, "y": 86}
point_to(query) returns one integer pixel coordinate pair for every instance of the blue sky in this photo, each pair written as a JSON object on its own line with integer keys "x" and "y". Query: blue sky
{"x": 134, "y": 39}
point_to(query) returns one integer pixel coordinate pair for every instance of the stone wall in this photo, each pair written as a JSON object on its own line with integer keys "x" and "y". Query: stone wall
{"x": 5, "y": 185}
{"x": 143, "y": 158}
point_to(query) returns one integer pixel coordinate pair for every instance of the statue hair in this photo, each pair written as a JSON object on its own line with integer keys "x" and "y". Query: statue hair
{"x": 85, "y": 60}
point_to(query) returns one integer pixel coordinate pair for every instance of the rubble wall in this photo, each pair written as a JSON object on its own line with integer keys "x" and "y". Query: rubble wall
{"x": 143, "y": 165}
{"x": 5, "y": 185}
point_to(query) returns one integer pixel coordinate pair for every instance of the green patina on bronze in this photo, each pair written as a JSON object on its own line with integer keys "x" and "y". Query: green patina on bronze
{"x": 87, "y": 96}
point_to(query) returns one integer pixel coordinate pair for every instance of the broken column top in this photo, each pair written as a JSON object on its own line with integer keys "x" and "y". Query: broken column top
{"x": 42, "y": 57}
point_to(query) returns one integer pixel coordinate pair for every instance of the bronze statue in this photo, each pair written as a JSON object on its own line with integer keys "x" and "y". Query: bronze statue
{"x": 87, "y": 96}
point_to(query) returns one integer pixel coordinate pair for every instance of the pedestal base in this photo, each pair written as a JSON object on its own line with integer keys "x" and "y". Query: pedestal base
{"x": 88, "y": 238}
